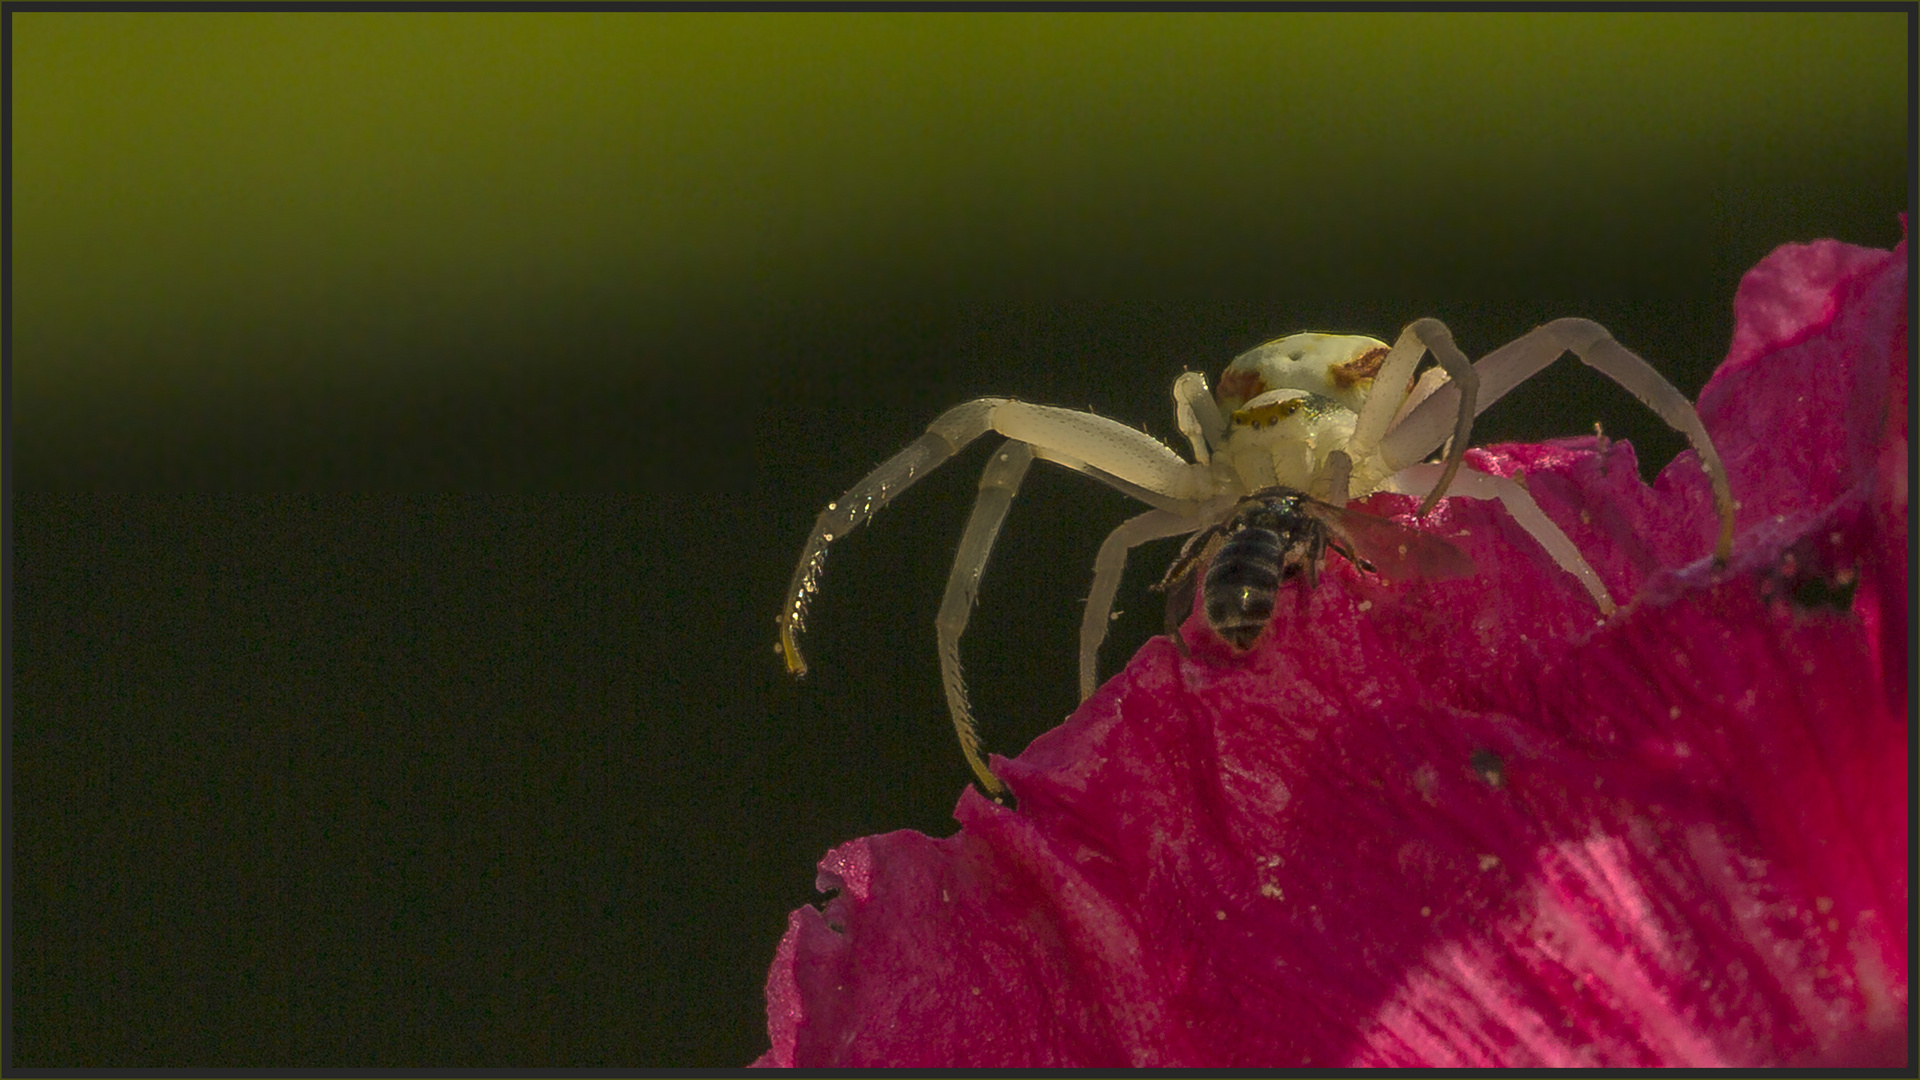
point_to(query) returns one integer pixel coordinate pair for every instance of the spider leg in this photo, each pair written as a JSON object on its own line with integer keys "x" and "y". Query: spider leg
{"x": 1126, "y": 459}
{"x": 1475, "y": 484}
{"x": 1516, "y": 362}
{"x": 1389, "y": 391}
{"x": 1198, "y": 415}
{"x": 1107, "y": 568}
{"x": 998, "y": 484}
{"x": 953, "y": 430}
{"x": 1121, "y": 457}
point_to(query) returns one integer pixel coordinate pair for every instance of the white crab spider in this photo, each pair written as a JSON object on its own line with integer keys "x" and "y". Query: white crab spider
{"x": 1334, "y": 416}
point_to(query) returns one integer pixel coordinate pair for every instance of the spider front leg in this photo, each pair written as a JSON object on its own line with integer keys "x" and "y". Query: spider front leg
{"x": 1421, "y": 429}
{"x": 945, "y": 437}
{"x": 1128, "y": 460}
{"x": 999, "y": 482}
{"x": 1107, "y": 568}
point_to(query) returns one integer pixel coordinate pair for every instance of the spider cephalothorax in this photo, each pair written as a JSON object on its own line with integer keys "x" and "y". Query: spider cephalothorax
{"x": 1324, "y": 417}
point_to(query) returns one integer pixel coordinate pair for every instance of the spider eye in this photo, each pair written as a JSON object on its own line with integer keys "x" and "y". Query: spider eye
{"x": 1264, "y": 416}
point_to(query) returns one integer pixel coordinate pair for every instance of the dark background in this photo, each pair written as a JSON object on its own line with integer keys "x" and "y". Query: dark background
{"x": 414, "y": 418}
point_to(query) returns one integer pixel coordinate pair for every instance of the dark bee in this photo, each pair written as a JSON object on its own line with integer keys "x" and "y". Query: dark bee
{"x": 1277, "y": 534}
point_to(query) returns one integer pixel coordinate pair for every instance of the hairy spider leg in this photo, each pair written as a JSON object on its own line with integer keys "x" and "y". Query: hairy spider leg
{"x": 999, "y": 482}
{"x": 1121, "y": 457}
{"x": 1422, "y": 428}
{"x": 1474, "y": 484}
{"x": 1108, "y": 565}
{"x": 949, "y": 433}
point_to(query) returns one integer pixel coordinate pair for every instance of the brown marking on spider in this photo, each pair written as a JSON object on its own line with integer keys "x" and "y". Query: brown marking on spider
{"x": 1365, "y": 366}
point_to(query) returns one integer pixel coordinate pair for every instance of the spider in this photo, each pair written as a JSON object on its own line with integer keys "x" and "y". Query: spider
{"x": 1334, "y": 417}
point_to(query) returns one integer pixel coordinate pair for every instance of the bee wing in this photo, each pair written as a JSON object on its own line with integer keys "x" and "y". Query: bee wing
{"x": 1394, "y": 550}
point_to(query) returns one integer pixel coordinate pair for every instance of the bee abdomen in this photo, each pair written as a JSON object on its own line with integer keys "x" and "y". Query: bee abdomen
{"x": 1241, "y": 583}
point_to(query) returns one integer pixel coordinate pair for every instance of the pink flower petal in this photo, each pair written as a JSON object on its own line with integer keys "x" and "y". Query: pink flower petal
{"x": 1461, "y": 822}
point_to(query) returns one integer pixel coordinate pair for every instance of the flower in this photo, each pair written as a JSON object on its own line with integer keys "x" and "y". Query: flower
{"x": 1462, "y": 822}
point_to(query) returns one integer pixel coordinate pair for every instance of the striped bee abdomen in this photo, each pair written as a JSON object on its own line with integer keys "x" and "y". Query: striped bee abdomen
{"x": 1241, "y": 583}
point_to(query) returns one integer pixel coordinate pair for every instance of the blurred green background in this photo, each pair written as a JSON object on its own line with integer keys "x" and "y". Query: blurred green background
{"x": 414, "y": 416}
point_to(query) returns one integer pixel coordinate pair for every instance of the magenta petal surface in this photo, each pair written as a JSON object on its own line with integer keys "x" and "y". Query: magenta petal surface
{"x": 1464, "y": 822}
